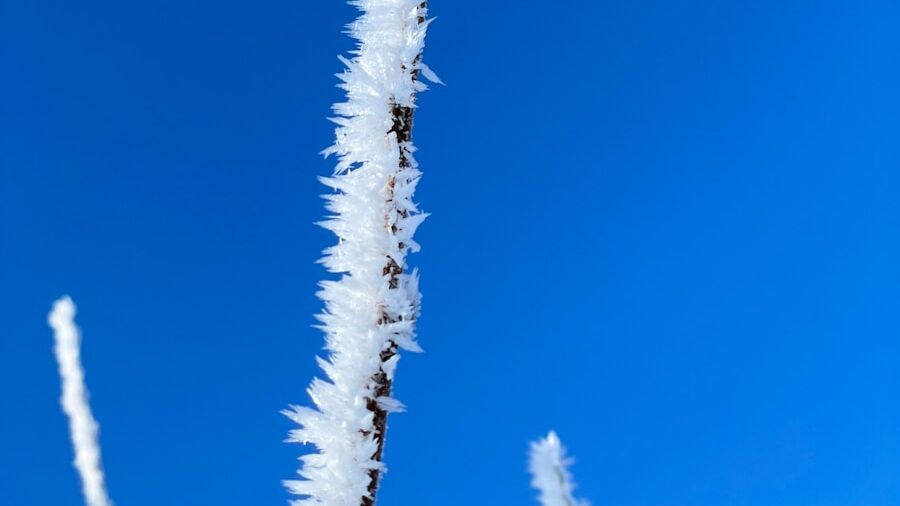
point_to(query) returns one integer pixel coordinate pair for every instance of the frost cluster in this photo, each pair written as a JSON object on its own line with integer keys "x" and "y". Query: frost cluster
{"x": 370, "y": 311}
{"x": 82, "y": 425}
{"x": 549, "y": 468}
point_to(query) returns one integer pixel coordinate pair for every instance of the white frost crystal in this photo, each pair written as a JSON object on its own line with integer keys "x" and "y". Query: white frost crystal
{"x": 82, "y": 425}
{"x": 549, "y": 468}
{"x": 371, "y": 310}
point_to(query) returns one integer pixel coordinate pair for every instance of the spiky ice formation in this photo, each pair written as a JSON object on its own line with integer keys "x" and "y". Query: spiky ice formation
{"x": 370, "y": 311}
{"x": 550, "y": 474}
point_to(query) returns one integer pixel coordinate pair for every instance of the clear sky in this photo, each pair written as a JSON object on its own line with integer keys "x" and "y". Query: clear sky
{"x": 668, "y": 230}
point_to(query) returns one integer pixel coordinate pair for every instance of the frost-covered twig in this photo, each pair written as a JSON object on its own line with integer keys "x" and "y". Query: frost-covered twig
{"x": 370, "y": 311}
{"x": 75, "y": 402}
{"x": 549, "y": 468}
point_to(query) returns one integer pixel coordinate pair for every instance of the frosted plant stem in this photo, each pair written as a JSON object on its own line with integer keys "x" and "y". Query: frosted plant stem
{"x": 370, "y": 312}
{"x": 549, "y": 468}
{"x": 74, "y": 401}
{"x": 401, "y": 127}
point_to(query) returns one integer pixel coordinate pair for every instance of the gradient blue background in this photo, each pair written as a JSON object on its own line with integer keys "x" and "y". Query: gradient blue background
{"x": 668, "y": 230}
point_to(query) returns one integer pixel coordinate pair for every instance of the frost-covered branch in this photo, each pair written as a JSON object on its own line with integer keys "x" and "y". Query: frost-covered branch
{"x": 370, "y": 311}
{"x": 549, "y": 468}
{"x": 74, "y": 399}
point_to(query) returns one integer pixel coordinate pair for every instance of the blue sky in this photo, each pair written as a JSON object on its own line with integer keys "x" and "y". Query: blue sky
{"x": 666, "y": 229}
